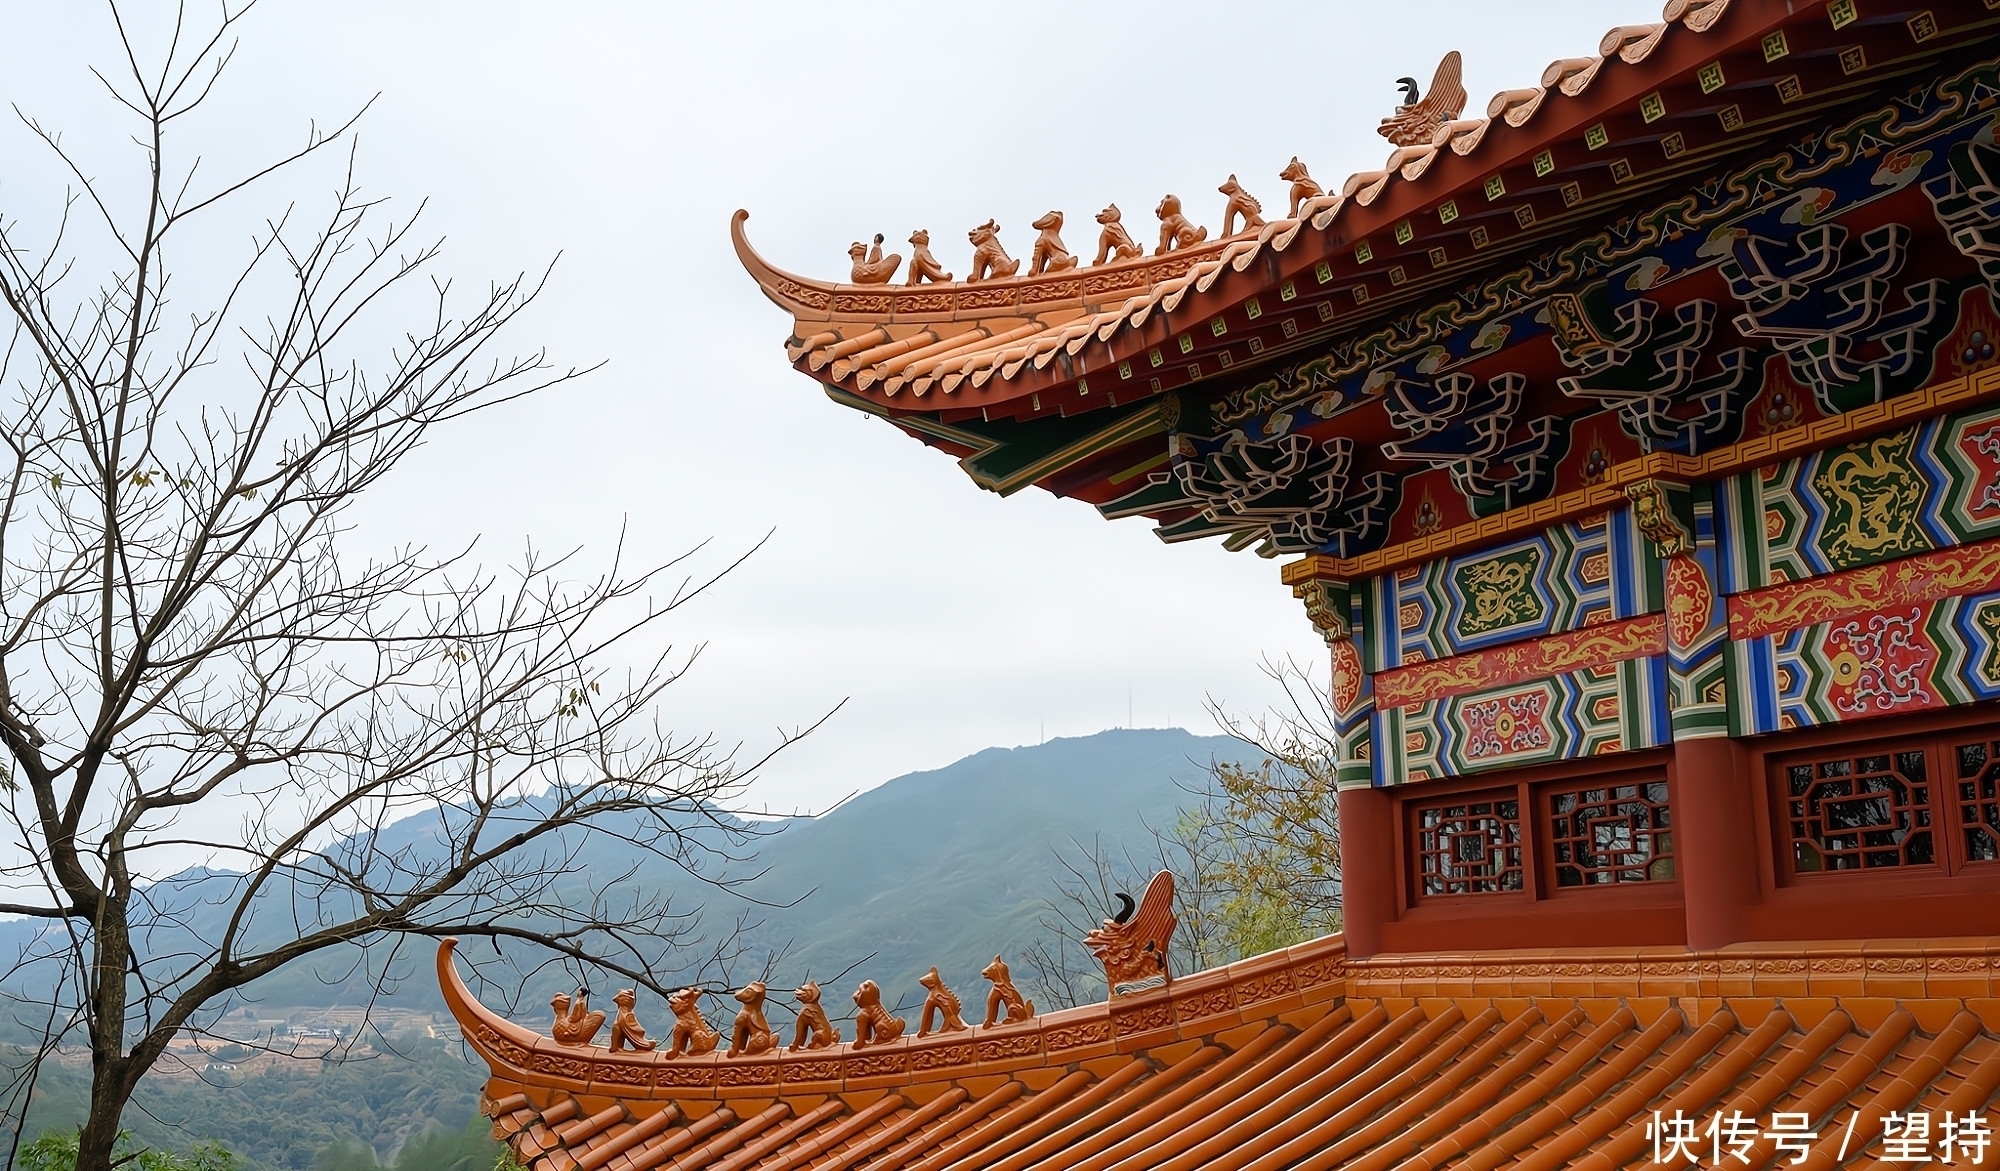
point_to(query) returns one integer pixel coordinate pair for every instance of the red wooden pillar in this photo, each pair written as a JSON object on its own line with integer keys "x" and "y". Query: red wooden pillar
{"x": 1715, "y": 839}
{"x": 1366, "y": 813}
{"x": 1367, "y": 867}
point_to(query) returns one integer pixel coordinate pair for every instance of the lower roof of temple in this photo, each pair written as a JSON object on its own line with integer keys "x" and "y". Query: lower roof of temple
{"x": 1307, "y": 1059}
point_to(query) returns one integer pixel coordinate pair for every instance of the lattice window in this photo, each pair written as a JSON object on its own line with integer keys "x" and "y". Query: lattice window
{"x": 1611, "y": 834}
{"x": 1978, "y": 784}
{"x": 1852, "y": 812}
{"x": 1469, "y": 847}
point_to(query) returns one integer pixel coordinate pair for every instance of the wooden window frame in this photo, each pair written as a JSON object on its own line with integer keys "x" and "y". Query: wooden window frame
{"x": 1529, "y": 786}
{"x": 1472, "y": 800}
{"x": 1939, "y": 742}
{"x": 1658, "y": 833}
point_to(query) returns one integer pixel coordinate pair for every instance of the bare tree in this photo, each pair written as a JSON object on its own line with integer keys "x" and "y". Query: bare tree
{"x": 191, "y": 672}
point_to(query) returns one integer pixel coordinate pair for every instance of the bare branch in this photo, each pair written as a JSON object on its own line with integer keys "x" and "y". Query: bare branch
{"x": 409, "y": 746}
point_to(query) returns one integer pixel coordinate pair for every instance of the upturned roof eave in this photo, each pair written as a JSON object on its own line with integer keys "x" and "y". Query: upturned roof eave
{"x": 1249, "y": 266}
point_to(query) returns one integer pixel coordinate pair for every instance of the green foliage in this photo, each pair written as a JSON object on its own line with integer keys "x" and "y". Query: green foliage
{"x": 1277, "y": 861}
{"x": 416, "y": 1112}
{"x": 1273, "y": 834}
{"x": 470, "y": 1149}
{"x": 346, "y": 1155}
{"x": 57, "y": 1151}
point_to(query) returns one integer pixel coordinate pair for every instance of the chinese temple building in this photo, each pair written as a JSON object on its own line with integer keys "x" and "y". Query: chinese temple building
{"x": 1635, "y": 447}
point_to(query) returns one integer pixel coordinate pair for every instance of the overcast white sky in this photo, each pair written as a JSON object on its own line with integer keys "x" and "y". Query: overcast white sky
{"x": 623, "y": 135}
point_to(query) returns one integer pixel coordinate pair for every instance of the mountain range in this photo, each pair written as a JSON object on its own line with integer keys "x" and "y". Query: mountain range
{"x": 945, "y": 867}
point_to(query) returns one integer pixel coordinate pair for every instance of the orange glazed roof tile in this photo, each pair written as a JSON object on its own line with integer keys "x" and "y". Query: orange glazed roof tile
{"x": 1305, "y": 1060}
{"x": 955, "y": 338}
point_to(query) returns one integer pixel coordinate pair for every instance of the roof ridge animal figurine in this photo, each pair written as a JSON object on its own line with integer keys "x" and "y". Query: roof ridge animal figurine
{"x": 1241, "y": 203}
{"x": 625, "y": 1029}
{"x": 1133, "y": 946}
{"x": 1303, "y": 186}
{"x": 751, "y": 1033}
{"x": 989, "y": 260}
{"x": 691, "y": 1037}
{"x": 1004, "y": 993}
{"x": 1050, "y": 255}
{"x": 924, "y": 266}
{"x": 813, "y": 1031}
{"x": 872, "y": 1023}
{"x": 1421, "y": 115}
{"x": 943, "y": 1002}
{"x": 1114, "y": 242}
{"x": 1176, "y": 230}
{"x": 575, "y": 1023}
{"x": 870, "y": 266}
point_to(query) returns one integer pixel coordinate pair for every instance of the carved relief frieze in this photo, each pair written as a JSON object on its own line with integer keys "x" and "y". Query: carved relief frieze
{"x": 622, "y": 1073}
{"x": 560, "y": 1066}
{"x": 1075, "y": 1036}
{"x": 1260, "y": 988}
{"x": 670, "y": 1076}
{"x": 1214, "y": 1002}
{"x": 500, "y": 1046}
{"x": 811, "y": 1071}
{"x": 1143, "y": 1020}
{"x": 1004, "y": 1048}
{"x": 941, "y": 1057}
{"x": 877, "y": 1064}
{"x": 759, "y": 1074}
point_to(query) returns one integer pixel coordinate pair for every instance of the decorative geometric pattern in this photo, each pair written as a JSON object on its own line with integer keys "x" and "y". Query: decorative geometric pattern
{"x": 1926, "y": 577}
{"x": 1697, "y": 629}
{"x": 1809, "y": 265}
{"x": 1569, "y": 577}
{"x": 1967, "y": 202}
{"x": 1469, "y": 847}
{"x": 1777, "y": 201}
{"x": 1868, "y": 811}
{"x": 1863, "y": 581}
{"x": 1905, "y": 658}
{"x": 1610, "y": 834}
{"x": 1604, "y": 708}
{"x": 1910, "y": 491}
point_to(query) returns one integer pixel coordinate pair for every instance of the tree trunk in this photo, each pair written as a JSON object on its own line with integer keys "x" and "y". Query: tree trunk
{"x": 110, "y": 1083}
{"x": 99, "y": 1136}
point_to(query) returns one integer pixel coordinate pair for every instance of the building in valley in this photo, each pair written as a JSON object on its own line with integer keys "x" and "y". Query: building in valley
{"x": 1636, "y": 449}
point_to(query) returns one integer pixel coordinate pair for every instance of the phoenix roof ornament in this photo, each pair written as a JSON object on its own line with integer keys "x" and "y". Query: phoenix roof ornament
{"x": 1133, "y": 946}
{"x": 1421, "y": 115}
